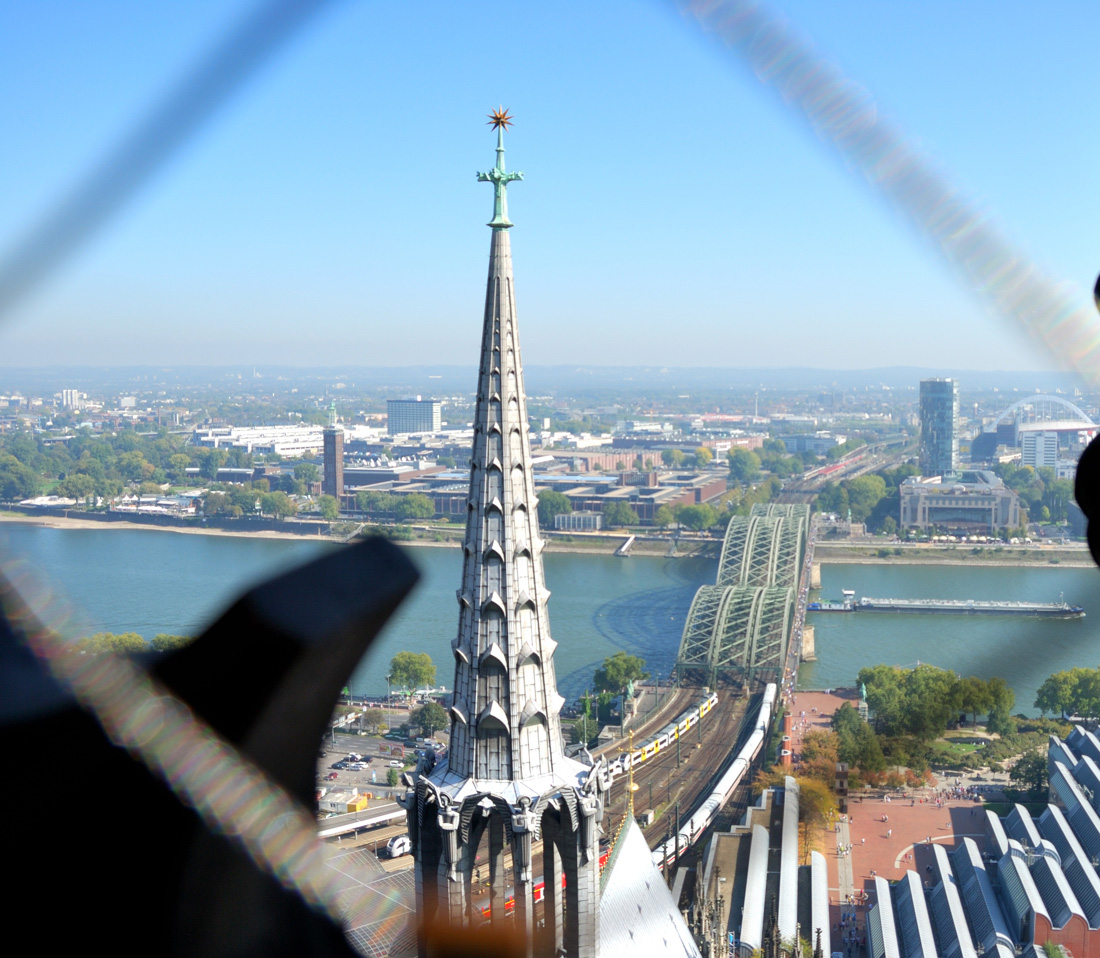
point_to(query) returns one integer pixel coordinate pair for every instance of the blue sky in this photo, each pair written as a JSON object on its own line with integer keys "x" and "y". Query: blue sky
{"x": 673, "y": 212}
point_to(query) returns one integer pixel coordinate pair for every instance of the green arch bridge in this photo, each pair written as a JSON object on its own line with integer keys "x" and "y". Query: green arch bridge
{"x": 738, "y": 629}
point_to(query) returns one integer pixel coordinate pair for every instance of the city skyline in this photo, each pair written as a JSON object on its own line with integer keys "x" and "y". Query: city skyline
{"x": 673, "y": 214}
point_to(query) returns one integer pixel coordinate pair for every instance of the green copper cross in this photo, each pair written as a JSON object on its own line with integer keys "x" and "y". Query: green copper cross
{"x": 500, "y": 181}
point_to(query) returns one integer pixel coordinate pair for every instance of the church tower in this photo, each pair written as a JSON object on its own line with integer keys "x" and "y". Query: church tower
{"x": 506, "y": 783}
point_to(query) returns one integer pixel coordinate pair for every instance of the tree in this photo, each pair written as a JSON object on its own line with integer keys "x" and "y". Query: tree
{"x": 134, "y": 467}
{"x": 415, "y": 506}
{"x": 864, "y": 494}
{"x": 278, "y": 504}
{"x": 376, "y": 503}
{"x": 931, "y": 701}
{"x": 619, "y": 670}
{"x": 307, "y": 472}
{"x": 744, "y": 465}
{"x": 552, "y": 504}
{"x": 210, "y": 461}
{"x": 1030, "y": 772}
{"x": 412, "y": 670}
{"x": 673, "y": 458}
{"x": 330, "y": 508}
{"x": 177, "y": 466}
{"x": 857, "y": 743}
{"x": 819, "y": 755}
{"x": 696, "y": 518}
{"x": 1057, "y": 693}
{"x": 1003, "y": 699}
{"x": 663, "y": 517}
{"x": 619, "y": 513}
{"x": 373, "y": 718}
{"x": 76, "y": 485}
{"x": 162, "y": 642}
{"x": 124, "y": 643}
{"x": 17, "y": 481}
{"x": 703, "y": 456}
{"x": 816, "y": 804}
{"x": 884, "y": 695}
{"x": 430, "y": 717}
{"x": 974, "y": 696}
{"x": 393, "y": 776}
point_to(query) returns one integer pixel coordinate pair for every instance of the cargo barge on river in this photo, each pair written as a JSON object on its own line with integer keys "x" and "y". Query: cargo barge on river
{"x": 1057, "y": 610}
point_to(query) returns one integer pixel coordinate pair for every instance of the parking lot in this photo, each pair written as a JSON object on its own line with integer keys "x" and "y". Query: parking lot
{"x": 368, "y": 775}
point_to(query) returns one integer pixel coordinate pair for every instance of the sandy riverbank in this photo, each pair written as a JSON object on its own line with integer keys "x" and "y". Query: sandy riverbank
{"x": 648, "y": 549}
{"x": 1074, "y": 556}
{"x": 67, "y": 522}
{"x": 1070, "y": 557}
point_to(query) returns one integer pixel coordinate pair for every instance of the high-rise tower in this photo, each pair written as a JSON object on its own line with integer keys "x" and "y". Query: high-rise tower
{"x": 332, "y": 480}
{"x": 939, "y": 427}
{"x": 506, "y": 781}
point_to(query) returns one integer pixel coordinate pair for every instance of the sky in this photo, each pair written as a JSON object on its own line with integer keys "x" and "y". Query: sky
{"x": 675, "y": 211}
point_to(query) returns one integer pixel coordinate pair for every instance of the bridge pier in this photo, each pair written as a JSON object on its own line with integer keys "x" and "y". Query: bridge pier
{"x": 808, "y": 654}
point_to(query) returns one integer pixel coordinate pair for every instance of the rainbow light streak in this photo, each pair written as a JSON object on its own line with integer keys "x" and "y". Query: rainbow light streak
{"x": 232, "y": 796}
{"x": 845, "y": 116}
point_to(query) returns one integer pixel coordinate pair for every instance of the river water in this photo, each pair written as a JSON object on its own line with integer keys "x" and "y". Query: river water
{"x": 149, "y": 581}
{"x": 145, "y": 581}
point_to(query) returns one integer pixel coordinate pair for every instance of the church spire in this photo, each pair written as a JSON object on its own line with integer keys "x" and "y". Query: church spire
{"x": 506, "y": 780}
{"x": 506, "y": 698}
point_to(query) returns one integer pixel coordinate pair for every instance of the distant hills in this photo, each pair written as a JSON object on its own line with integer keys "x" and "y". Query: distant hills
{"x": 573, "y": 379}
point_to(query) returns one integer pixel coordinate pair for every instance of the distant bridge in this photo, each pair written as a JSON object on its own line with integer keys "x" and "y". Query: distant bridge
{"x": 1044, "y": 403}
{"x": 737, "y": 630}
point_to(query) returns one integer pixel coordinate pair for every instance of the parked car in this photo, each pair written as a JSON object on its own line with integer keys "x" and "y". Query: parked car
{"x": 394, "y": 763}
{"x": 331, "y": 777}
{"x": 339, "y": 765}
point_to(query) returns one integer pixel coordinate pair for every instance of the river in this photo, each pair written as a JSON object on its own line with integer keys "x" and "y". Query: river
{"x": 146, "y": 581}
{"x": 150, "y": 581}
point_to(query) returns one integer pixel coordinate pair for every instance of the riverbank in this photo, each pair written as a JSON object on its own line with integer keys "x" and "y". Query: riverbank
{"x": 1073, "y": 556}
{"x": 68, "y": 522}
{"x": 595, "y": 545}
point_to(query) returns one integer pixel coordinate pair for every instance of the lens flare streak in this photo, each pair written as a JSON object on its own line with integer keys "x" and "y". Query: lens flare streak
{"x": 845, "y": 116}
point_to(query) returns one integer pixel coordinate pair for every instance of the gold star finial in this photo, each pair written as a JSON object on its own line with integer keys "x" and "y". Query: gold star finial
{"x": 499, "y": 118}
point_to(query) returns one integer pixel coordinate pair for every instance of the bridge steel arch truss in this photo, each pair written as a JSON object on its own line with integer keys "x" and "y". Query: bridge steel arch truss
{"x": 737, "y": 630}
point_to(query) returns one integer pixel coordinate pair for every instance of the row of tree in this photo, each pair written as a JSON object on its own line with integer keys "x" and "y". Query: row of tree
{"x": 1045, "y": 497}
{"x": 1074, "y": 692}
{"x": 403, "y": 508}
{"x": 924, "y": 701}
{"x": 618, "y": 513}
{"x": 129, "y": 643}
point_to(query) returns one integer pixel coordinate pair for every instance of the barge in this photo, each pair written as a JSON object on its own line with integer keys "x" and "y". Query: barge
{"x": 1057, "y": 610}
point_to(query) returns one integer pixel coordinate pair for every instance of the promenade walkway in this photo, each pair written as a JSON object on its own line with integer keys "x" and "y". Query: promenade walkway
{"x": 887, "y": 832}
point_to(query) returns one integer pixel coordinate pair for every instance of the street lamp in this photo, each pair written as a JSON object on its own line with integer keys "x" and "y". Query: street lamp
{"x": 389, "y": 693}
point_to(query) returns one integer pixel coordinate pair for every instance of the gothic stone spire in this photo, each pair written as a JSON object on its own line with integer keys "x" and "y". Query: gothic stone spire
{"x": 506, "y": 700}
{"x": 505, "y": 781}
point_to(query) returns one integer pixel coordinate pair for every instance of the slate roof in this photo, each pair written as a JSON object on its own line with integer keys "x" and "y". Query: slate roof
{"x": 637, "y": 914}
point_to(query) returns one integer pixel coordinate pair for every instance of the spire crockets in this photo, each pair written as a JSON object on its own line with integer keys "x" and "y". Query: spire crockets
{"x": 500, "y": 119}
{"x": 506, "y": 700}
{"x": 506, "y": 781}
